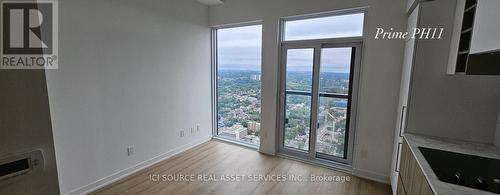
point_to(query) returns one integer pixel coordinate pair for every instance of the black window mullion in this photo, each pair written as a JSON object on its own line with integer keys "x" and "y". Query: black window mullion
{"x": 321, "y": 94}
{"x": 294, "y": 92}
{"x": 334, "y": 95}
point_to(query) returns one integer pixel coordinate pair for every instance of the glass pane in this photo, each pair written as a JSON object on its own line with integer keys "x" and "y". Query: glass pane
{"x": 350, "y": 25}
{"x": 238, "y": 83}
{"x": 297, "y": 121}
{"x": 299, "y": 72}
{"x": 335, "y": 70}
{"x": 299, "y": 69}
{"x": 332, "y": 120}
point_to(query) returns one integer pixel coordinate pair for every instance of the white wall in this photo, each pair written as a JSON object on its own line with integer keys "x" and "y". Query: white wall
{"x": 380, "y": 76}
{"x": 460, "y": 107}
{"x": 130, "y": 73}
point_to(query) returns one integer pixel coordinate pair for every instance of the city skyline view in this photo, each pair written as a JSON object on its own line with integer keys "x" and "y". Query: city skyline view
{"x": 238, "y": 110}
{"x": 238, "y": 83}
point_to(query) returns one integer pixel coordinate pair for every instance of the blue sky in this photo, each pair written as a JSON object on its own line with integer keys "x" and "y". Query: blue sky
{"x": 240, "y": 48}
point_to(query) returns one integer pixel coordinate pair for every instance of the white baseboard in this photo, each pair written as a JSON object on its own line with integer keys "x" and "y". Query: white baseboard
{"x": 371, "y": 175}
{"x": 133, "y": 169}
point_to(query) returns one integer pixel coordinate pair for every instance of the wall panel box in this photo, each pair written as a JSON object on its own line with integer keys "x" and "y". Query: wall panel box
{"x": 17, "y": 167}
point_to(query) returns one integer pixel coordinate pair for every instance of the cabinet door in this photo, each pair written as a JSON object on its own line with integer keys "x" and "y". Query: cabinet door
{"x": 406, "y": 164}
{"x": 406, "y": 74}
{"x": 400, "y": 190}
{"x": 408, "y": 58}
{"x": 412, "y": 178}
{"x": 403, "y": 97}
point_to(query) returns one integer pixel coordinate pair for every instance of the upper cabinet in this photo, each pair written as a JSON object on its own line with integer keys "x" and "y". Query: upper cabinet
{"x": 475, "y": 46}
{"x": 486, "y": 34}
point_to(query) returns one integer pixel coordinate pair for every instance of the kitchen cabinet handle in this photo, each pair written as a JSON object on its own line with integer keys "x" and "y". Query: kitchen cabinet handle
{"x": 398, "y": 157}
{"x": 402, "y": 121}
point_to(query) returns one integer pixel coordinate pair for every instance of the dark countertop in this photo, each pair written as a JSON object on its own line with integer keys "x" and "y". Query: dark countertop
{"x": 471, "y": 148}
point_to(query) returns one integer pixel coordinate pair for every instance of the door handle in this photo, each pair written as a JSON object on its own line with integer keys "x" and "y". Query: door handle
{"x": 402, "y": 121}
{"x": 398, "y": 157}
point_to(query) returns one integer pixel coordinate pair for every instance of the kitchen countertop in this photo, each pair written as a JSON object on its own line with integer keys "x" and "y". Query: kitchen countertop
{"x": 439, "y": 187}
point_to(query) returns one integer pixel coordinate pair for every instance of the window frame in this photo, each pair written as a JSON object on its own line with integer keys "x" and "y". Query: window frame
{"x": 283, "y": 20}
{"x": 214, "y": 71}
{"x": 356, "y": 42}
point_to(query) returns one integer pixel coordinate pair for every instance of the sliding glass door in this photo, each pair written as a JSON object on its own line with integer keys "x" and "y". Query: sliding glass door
{"x": 316, "y": 100}
{"x": 319, "y": 67}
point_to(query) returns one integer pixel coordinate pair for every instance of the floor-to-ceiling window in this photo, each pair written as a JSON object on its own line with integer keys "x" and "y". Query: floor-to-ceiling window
{"x": 238, "y": 82}
{"x": 319, "y": 72}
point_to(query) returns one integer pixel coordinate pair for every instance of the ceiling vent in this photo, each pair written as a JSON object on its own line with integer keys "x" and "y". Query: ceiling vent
{"x": 210, "y": 2}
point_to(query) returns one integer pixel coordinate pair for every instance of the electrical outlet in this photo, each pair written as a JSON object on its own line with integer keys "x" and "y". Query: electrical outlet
{"x": 197, "y": 128}
{"x": 130, "y": 150}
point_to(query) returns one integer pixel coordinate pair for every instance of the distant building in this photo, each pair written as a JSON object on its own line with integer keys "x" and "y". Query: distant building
{"x": 236, "y": 131}
{"x": 255, "y": 77}
{"x": 342, "y": 103}
{"x": 253, "y": 126}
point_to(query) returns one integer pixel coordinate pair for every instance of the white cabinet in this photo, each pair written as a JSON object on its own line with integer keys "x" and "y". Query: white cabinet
{"x": 485, "y": 33}
{"x": 403, "y": 97}
{"x": 475, "y": 41}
